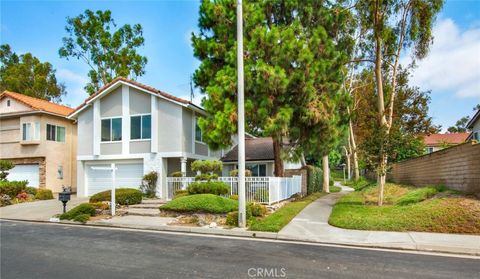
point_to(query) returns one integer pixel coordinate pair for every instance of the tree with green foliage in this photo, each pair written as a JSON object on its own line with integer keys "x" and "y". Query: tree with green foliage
{"x": 5, "y": 166}
{"x": 108, "y": 51}
{"x": 388, "y": 28}
{"x": 27, "y": 75}
{"x": 294, "y": 53}
{"x": 461, "y": 125}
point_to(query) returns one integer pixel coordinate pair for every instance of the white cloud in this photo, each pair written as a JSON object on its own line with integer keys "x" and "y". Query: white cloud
{"x": 70, "y": 76}
{"x": 453, "y": 63}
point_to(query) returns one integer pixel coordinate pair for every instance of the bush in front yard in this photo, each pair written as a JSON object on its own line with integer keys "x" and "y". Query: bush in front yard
{"x": 83, "y": 208}
{"x": 82, "y": 218}
{"x": 149, "y": 184}
{"x": 180, "y": 193}
{"x": 232, "y": 217}
{"x": 206, "y": 203}
{"x": 31, "y": 190}
{"x": 12, "y": 188}
{"x": 44, "y": 194}
{"x": 257, "y": 210}
{"x": 210, "y": 187}
{"x": 123, "y": 196}
{"x": 5, "y": 166}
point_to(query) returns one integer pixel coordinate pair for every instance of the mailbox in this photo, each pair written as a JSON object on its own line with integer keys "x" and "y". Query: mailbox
{"x": 64, "y": 197}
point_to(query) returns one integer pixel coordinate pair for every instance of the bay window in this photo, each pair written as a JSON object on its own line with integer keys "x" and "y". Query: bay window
{"x": 30, "y": 131}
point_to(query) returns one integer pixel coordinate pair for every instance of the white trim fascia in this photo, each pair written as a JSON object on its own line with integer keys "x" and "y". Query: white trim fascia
{"x": 141, "y": 156}
{"x": 249, "y": 162}
{"x": 21, "y": 113}
{"x": 154, "y": 124}
{"x": 125, "y": 120}
{"x": 96, "y": 128}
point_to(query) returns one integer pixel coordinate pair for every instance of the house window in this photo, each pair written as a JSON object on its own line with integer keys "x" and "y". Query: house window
{"x": 140, "y": 127}
{"x": 198, "y": 131}
{"x": 476, "y": 136}
{"x": 8, "y": 103}
{"x": 31, "y": 131}
{"x": 112, "y": 129}
{"x": 257, "y": 169}
{"x": 428, "y": 150}
{"x": 55, "y": 133}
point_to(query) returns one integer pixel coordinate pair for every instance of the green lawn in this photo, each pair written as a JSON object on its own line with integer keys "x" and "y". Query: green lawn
{"x": 277, "y": 220}
{"x": 428, "y": 209}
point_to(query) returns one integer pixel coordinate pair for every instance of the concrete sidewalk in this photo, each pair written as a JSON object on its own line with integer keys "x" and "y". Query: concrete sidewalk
{"x": 38, "y": 210}
{"x": 312, "y": 225}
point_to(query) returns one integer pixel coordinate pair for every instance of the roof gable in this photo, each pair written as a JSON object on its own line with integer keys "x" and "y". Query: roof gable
{"x": 256, "y": 149}
{"x": 35, "y": 104}
{"x": 121, "y": 80}
{"x": 439, "y": 139}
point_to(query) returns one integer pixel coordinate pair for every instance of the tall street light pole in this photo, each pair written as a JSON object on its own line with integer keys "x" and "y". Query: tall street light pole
{"x": 241, "y": 120}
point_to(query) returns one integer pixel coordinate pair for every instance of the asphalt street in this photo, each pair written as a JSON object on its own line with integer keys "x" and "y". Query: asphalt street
{"x": 40, "y": 250}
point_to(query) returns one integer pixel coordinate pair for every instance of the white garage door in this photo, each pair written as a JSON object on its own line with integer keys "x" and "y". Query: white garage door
{"x": 127, "y": 176}
{"x": 25, "y": 172}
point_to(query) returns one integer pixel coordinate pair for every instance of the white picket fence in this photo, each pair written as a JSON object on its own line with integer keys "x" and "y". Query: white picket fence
{"x": 266, "y": 190}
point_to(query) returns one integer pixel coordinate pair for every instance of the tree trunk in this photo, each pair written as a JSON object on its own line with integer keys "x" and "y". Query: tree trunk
{"x": 277, "y": 147}
{"x": 354, "y": 152}
{"x": 347, "y": 155}
{"x": 326, "y": 174}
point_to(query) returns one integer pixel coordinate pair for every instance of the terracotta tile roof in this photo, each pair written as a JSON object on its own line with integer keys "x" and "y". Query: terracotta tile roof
{"x": 134, "y": 83}
{"x": 439, "y": 139}
{"x": 256, "y": 149}
{"x": 38, "y": 104}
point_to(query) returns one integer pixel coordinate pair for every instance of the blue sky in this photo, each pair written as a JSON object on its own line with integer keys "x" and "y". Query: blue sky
{"x": 452, "y": 71}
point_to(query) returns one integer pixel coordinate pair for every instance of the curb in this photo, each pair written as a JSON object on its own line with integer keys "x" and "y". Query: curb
{"x": 417, "y": 247}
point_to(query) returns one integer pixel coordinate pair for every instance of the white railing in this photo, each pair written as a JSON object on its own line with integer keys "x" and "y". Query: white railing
{"x": 267, "y": 190}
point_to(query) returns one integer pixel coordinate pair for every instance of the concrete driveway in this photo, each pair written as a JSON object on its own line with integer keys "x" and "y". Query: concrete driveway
{"x": 38, "y": 210}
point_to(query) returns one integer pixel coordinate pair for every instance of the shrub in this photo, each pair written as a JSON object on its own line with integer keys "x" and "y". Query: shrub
{"x": 234, "y": 197}
{"x": 12, "y": 188}
{"x": 22, "y": 196}
{"x": 209, "y": 187}
{"x": 206, "y": 203}
{"x": 149, "y": 184}
{"x": 5, "y": 200}
{"x": 176, "y": 174}
{"x": 180, "y": 193}
{"x": 123, "y": 196}
{"x": 206, "y": 177}
{"x": 44, "y": 194}
{"x": 5, "y": 166}
{"x": 207, "y": 166}
{"x": 100, "y": 205}
{"x": 82, "y": 218}
{"x": 232, "y": 217}
{"x": 83, "y": 208}
{"x": 31, "y": 190}
{"x": 314, "y": 179}
{"x": 417, "y": 195}
{"x": 257, "y": 210}
{"x": 235, "y": 172}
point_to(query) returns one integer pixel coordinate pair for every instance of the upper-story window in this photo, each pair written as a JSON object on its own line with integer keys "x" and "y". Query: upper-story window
{"x": 140, "y": 127}
{"x": 112, "y": 129}
{"x": 8, "y": 103}
{"x": 198, "y": 131}
{"x": 30, "y": 131}
{"x": 55, "y": 133}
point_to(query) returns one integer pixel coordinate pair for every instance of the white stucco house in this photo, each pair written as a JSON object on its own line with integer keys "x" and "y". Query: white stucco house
{"x": 140, "y": 129}
{"x": 474, "y": 126}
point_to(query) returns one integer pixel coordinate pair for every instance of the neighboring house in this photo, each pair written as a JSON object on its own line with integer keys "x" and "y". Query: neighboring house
{"x": 39, "y": 139}
{"x": 435, "y": 142}
{"x": 140, "y": 129}
{"x": 474, "y": 126}
{"x": 259, "y": 158}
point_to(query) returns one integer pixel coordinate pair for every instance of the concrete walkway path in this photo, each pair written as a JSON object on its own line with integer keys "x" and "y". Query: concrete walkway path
{"x": 38, "y": 210}
{"x": 311, "y": 224}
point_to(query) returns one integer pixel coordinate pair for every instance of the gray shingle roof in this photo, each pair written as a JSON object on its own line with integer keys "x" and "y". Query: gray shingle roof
{"x": 256, "y": 149}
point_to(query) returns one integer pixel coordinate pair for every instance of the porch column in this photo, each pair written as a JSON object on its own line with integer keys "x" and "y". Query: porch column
{"x": 183, "y": 166}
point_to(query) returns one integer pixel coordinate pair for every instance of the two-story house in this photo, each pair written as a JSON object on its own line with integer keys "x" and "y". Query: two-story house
{"x": 140, "y": 129}
{"x": 39, "y": 139}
